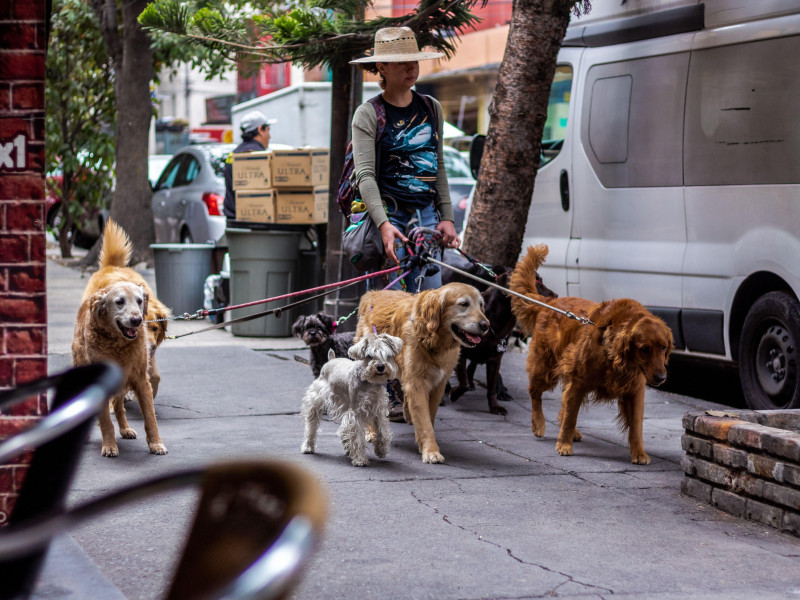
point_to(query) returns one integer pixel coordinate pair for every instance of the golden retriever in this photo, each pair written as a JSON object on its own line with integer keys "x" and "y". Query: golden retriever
{"x": 433, "y": 325}
{"x": 115, "y": 255}
{"x": 110, "y": 327}
{"x": 612, "y": 359}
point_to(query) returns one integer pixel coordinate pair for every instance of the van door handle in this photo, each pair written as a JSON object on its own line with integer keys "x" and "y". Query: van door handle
{"x": 564, "y": 185}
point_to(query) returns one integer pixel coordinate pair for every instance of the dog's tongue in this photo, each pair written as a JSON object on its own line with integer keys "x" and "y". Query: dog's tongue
{"x": 475, "y": 339}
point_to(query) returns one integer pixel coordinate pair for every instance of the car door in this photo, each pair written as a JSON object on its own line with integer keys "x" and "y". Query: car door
{"x": 162, "y": 198}
{"x": 551, "y": 216}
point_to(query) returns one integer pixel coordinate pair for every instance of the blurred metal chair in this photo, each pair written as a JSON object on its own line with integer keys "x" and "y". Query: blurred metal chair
{"x": 256, "y": 523}
{"x": 76, "y": 397}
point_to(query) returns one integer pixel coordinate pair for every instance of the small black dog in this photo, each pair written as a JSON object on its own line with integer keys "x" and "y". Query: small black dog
{"x": 497, "y": 308}
{"x": 316, "y": 331}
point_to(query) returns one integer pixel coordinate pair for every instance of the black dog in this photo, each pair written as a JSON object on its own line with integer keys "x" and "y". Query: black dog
{"x": 316, "y": 331}
{"x": 497, "y": 308}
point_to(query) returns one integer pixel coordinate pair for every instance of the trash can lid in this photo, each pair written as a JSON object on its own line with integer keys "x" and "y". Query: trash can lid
{"x": 179, "y": 247}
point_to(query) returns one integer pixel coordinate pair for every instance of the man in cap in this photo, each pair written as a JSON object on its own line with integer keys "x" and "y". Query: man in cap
{"x": 255, "y": 137}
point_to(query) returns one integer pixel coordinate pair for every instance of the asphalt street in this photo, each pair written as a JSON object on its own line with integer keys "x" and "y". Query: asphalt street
{"x": 505, "y": 517}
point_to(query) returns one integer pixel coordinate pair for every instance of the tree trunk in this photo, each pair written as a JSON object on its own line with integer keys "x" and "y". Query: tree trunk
{"x": 129, "y": 48}
{"x": 513, "y": 143}
{"x": 130, "y": 206}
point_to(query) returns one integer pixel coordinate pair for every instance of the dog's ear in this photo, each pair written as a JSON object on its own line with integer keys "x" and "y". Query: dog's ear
{"x": 145, "y": 300}
{"x": 358, "y": 351}
{"x": 326, "y": 320}
{"x": 622, "y": 342}
{"x": 159, "y": 323}
{"x": 299, "y": 325}
{"x": 395, "y": 344}
{"x": 428, "y": 313}
{"x": 98, "y": 304}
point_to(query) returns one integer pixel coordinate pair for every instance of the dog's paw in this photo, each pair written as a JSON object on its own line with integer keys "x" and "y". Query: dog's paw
{"x": 564, "y": 449}
{"x": 109, "y": 451}
{"x": 360, "y": 462}
{"x": 577, "y": 436}
{"x": 158, "y": 448}
{"x": 538, "y": 430}
{"x": 504, "y": 397}
{"x": 433, "y": 458}
{"x": 128, "y": 434}
{"x": 370, "y": 435}
{"x": 497, "y": 410}
{"x": 640, "y": 458}
{"x": 307, "y": 449}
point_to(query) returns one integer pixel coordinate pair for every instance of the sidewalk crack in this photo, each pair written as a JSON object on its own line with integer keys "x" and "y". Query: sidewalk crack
{"x": 510, "y": 553}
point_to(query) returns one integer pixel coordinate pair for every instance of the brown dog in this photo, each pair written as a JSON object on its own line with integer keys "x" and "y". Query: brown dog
{"x": 115, "y": 255}
{"x": 433, "y": 325}
{"x": 110, "y": 326}
{"x": 626, "y": 348}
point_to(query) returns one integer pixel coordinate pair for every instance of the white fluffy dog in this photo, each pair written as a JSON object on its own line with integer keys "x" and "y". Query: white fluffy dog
{"x": 354, "y": 391}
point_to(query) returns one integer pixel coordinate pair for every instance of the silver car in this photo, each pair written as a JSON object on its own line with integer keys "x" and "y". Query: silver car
{"x": 188, "y": 196}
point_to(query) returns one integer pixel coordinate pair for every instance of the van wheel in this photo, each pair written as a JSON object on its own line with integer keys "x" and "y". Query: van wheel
{"x": 768, "y": 357}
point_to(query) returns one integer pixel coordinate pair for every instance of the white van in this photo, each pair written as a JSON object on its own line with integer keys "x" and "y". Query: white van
{"x": 670, "y": 174}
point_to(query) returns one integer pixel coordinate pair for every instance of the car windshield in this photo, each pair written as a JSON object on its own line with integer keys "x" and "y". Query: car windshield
{"x": 155, "y": 166}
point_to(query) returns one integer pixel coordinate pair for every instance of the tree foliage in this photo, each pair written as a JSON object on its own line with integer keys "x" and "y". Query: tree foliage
{"x": 311, "y": 33}
{"x": 79, "y": 96}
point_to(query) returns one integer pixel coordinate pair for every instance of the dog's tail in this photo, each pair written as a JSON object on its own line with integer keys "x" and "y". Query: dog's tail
{"x": 523, "y": 281}
{"x": 117, "y": 249}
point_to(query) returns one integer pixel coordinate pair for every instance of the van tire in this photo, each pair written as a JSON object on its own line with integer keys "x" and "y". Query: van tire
{"x": 768, "y": 353}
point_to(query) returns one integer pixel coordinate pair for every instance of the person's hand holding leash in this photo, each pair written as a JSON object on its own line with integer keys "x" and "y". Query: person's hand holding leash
{"x": 449, "y": 236}
{"x": 390, "y": 233}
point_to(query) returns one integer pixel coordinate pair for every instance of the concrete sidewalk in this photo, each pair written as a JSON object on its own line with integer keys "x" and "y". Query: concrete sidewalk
{"x": 505, "y": 517}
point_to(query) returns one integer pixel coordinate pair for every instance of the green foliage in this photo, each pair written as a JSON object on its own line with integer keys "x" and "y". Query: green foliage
{"x": 80, "y": 99}
{"x": 310, "y": 33}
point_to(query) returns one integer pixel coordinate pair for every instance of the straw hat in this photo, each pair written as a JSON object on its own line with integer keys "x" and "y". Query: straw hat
{"x": 396, "y": 44}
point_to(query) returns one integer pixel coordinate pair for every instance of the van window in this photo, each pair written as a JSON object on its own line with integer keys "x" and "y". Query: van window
{"x": 632, "y": 121}
{"x": 741, "y": 120}
{"x": 608, "y": 118}
{"x": 555, "y": 129}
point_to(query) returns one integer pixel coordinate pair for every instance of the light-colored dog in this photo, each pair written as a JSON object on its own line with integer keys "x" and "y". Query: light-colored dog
{"x": 434, "y": 325}
{"x": 109, "y": 328}
{"x": 354, "y": 391}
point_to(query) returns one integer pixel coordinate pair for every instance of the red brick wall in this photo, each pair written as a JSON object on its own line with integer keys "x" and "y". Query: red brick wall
{"x": 23, "y": 310}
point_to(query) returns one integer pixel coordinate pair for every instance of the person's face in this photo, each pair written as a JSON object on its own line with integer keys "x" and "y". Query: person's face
{"x": 400, "y": 73}
{"x": 263, "y": 135}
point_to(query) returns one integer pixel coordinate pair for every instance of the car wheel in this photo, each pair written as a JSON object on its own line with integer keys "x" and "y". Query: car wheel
{"x": 768, "y": 367}
{"x": 186, "y": 236}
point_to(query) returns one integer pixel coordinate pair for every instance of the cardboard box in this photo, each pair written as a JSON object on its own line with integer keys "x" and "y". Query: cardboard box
{"x": 252, "y": 170}
{"x": 301, "y": 206}
{"x": 255, "y": 206}
{"x": 306, "y": 167}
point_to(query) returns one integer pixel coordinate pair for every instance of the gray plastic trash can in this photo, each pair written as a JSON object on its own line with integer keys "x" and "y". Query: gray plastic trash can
{"x": 263, "y": 265}
{"x": 181, "y": 271}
